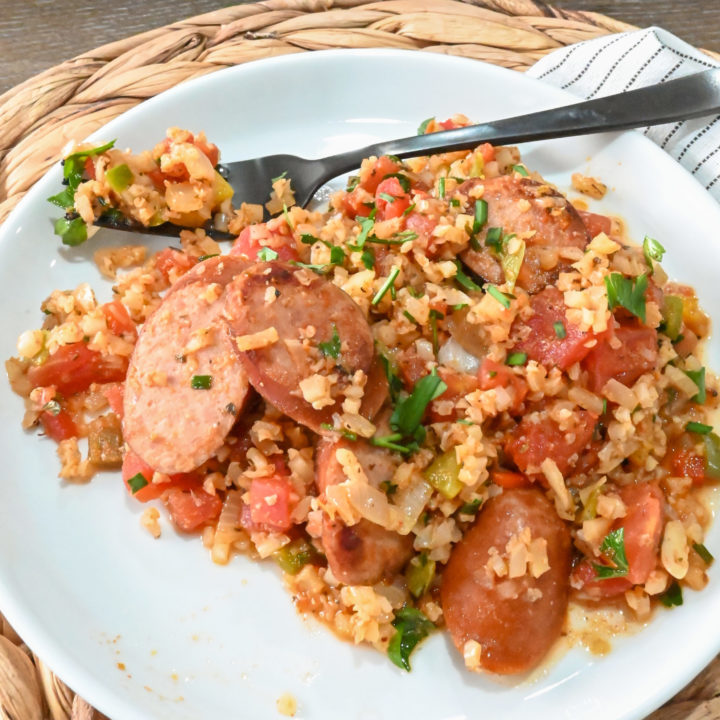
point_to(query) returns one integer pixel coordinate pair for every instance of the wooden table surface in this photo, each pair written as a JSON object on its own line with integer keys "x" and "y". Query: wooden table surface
{"x": 37, "y": 34}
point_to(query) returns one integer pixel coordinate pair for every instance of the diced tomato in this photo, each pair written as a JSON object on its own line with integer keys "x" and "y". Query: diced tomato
{"x": 585, "y": 575}
{"x": 642, "y": 525}
{"x": 210, "y": 149}
{"x": 357, "y": 203}
{"x": 686, "y": 463}
{"x": 642, "y": 529}
{"x": 190, "y": 509}
{"x": 89, "y": 168}
{"x": 531, "y": 442}
{"x": 169, "y": 260}
{"x": 493, "y": 375}
{"x": 544, "y": 342}
{"x": 487, "y": 151}
{"x": 272, "y": 499}
{"x": 423, "y": 225}
{"x": 134, "y": 464}
{"x": 58, "y": 427}
{"x": 388, "y": 209}
{"x": 636, "y": 355}
{"x": 73, "y": 368}
{"x": 371, "y": 177}
{"x": 255, "y": 237}
{"x": 458, "y": 386}
{"x": 157, "y": 177}
{"x": 595, "y": 223}
{"x": 115, "y": 392}
{"x": 118, "y": 319}
{"x": 508, "y": 479}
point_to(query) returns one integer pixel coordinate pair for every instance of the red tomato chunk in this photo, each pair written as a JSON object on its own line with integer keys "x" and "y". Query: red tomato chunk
{"x": 531, "y": 442}
{"x": 553, "y": 340}
{"x": 73, "y": 368}
{"x": 58, "y": 427}
{"x": 272, "y": 499}
{"x": 636, "y": 354}
{"x": 190, "y": 509}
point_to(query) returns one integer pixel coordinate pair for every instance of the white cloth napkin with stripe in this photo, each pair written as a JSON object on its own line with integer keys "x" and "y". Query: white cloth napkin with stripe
{"x": 630, "y": 60}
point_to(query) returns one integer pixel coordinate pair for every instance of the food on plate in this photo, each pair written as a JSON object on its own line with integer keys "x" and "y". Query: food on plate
{"x": 453, "y": 399}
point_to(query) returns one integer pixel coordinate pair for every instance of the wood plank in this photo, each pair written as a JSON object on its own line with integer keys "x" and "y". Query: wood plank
{"x": 35, "y": 36}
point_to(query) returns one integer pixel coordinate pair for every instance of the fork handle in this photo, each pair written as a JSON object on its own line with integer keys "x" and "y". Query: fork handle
{"x": 687, "y": 97}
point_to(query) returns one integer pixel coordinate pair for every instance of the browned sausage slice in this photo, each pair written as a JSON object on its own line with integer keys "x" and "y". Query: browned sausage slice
{"x": 515, "y": 620}
{"x": 304, "y": 313}
{"x": 365, "y": 553}
{"x": 171, "y": 425}
{"x": 521, "y": 205}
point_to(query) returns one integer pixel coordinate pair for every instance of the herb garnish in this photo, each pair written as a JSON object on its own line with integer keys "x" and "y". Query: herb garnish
{"x": 137, "y": 482}
{"x": 412, "y": 626}
{"x": 267, "y": 254}
{"x": 699, "y": 428}
{"x": 652, "y": 250}
{"x": 560, "y": 330}
{"x": 501, "y": 297}
{"x": 422, "y": 129}
{"x": 201, "y": 382}
{"x": 342, "y": 431}
{"x": 613, "y": 546}
{"x": 673, "y": 595}
{"x": 704, "y": 553}
{"x": 517, "y": 358}
{"x": 331, "y": 348}
{"x": 409, "y": 411}
{"x": 389, "y": 282}
{"x": 698, "y": 377}
{"x": 628, "y": 293}
{"x": 464, "y": 281}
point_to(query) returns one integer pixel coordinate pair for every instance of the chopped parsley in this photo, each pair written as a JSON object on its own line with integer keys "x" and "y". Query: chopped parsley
{"x": 389, "y": 282}
{"x": 352, "y": 183}
{"x": 652, "y": 250}
{"x": 388, "y": 487}
{"x": 201, "y": 382}
{"x": 494, "y": 238}
{"x": 137, "y": 482}
{"x": 627, "y": 292}
{"x": 267, "y": 254}
{"x": 309, "y": 239}
{"x": 672, "y": 597}
{"x": 281, "y": 176}
{"x": 387, "y": 197}
{"x": 410, "y": 317}
{"x": 613, "y": 547}
{"x": 203, "y": 258}
{"x": 366, "y": 225}
{"x": 520, "y": 169}
{"x": 422, "y": 128}
{"x": 412, "y": 626}
{"x": 441, "y": 188}
{"x": 368, "y": 258}
{"x": 560, "y": 330}
{"x": 331, "y": 348}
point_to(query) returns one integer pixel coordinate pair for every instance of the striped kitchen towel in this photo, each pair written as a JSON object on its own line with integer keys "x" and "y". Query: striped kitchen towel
{"x": 630, "y": 60}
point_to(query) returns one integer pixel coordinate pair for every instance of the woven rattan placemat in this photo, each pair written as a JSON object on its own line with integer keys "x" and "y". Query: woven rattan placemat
{"x": 73, "y": 99}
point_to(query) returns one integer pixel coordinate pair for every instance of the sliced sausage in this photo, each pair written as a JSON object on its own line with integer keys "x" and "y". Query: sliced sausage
{"x": 515, "y": 620}
{"x": 365, "y": 553}
{"x": 521, "y": 205}
{"x": 172, "y": 426}
{"x": 305, "y": 311}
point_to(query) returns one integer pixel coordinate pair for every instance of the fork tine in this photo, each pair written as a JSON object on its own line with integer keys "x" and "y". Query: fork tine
{"x": 165, "y": 229}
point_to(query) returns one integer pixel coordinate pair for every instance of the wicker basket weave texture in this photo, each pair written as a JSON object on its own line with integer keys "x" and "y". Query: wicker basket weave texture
{"x": 75, "y": 98}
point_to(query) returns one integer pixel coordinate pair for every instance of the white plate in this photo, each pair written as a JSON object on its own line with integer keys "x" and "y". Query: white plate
{"x": 89, "y": 589}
